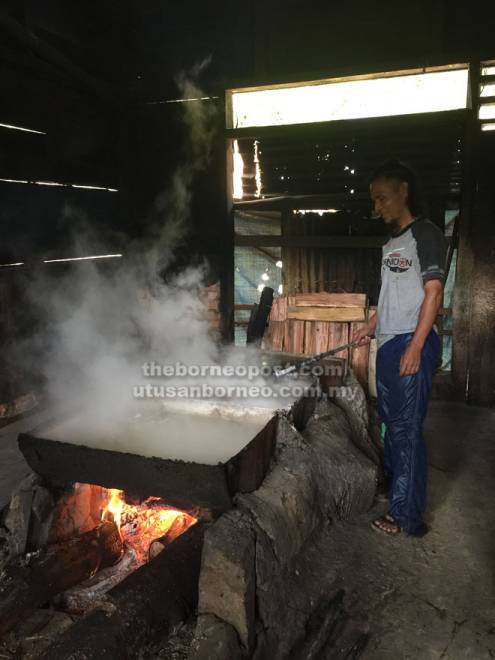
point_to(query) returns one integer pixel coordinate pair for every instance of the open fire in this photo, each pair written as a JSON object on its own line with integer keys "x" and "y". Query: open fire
{"x": 74, "y": 546}
{"x": 146, "y": 528}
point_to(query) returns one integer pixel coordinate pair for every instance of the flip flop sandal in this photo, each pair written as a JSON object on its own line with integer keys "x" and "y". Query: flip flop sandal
{"x": 386, "y": 525}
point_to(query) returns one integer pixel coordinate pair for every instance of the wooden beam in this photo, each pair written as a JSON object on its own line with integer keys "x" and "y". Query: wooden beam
{"x": 338, "y": 72}
{"x": 340, "y": 314}
{"x": 282, "y": 202}
{"x": 320, "y": 129}
{"x": 392, "y": 72}
{"x": 325, "y": 299}
{"x": 311, "y": 241}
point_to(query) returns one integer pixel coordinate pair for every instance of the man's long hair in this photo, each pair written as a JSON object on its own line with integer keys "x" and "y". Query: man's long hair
{"x": 398, "y": 171}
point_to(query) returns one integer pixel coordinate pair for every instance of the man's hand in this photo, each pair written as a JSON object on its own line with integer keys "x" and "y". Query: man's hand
{"x": 363, "y": 335}
{"x": 410, "y": 360}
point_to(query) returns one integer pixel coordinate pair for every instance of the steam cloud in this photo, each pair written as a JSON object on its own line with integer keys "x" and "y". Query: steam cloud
{"x": 92, "y": 351}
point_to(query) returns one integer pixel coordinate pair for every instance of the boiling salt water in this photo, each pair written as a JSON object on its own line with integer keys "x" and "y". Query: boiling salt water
{"x": 169, "y": 434}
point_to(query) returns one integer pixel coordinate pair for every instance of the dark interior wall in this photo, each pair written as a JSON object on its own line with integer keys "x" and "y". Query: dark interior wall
{"x": 162, "y": 148}
{"x": 474, "y": 351}
{"x": 100, "y": 127}
{"x": 83, "y": 144}
{"x": 295, "y": 39}
{"x": 44, "y": 222}
{"x": 142, "y": 47}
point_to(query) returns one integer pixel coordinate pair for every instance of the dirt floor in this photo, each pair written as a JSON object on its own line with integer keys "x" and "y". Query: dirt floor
{"x": 430, "y": 598}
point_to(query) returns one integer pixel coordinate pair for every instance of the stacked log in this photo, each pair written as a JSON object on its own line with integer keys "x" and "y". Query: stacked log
{"x": 29, "y": 583}
{"x": 312, "y": 323}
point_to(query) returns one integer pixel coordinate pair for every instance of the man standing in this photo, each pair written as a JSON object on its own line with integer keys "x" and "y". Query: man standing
{"x": 408, "y": 345}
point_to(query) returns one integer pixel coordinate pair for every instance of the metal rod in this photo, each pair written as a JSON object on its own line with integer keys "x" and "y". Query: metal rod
{"x": 312, "y": 360}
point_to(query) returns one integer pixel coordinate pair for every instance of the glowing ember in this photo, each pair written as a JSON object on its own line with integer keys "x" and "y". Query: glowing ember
{"x": 141, "y": 524}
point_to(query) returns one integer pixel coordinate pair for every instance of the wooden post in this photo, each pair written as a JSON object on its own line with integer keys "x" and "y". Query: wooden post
{"x": 463, "y": 292}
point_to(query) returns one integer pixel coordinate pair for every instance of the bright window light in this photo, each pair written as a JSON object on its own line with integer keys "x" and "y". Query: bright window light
{"x": 487, "y": 111}
{"x": 319, "y": 211}
{"x": 18, "y": 263}
{"x": 260, "y": 288}
{"x": 238, "y": 172}
{"x": 197, "y": 98}
{"x": 351, "y": 99}
{"x": 488, "y": 71}
{"x": 98, "y": 256}
{"x": 58, "y": 184}
{"x": 94, "y": 188}
{"x": 488, "y": 127}
{"x": 50, "y": 183}
{"x": 21, "y": 128}
{"x": 487, "y": 90}
{"x": 279, "y": 264}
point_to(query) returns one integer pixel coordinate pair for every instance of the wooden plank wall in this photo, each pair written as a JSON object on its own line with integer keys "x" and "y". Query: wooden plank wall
{"x": 327, "y": 269}
{"x": 345, "y": 269}
{"x": 212, "y": 299}
{"x": 311, "y": 323}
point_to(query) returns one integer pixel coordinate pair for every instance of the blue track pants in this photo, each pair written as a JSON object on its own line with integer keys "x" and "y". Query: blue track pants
{"x": 402, "y": 405}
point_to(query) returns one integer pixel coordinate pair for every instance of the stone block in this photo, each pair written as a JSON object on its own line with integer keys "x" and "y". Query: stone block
{"x": 18, "y": 515}
{"x": 214, "y": 640}
{"x": 227, "y": 582}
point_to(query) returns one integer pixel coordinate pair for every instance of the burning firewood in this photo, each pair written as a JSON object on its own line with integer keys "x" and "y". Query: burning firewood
{"x": 28, "y": 583}
{"x": 83, "y": 597}
{"x": 139, "y": 525}
{"x": 161, "y": 593}
{"x": 178, "y": 527}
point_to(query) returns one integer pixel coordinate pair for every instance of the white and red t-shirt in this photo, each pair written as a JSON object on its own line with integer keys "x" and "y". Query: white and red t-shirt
{"x": 410, "y": 258}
